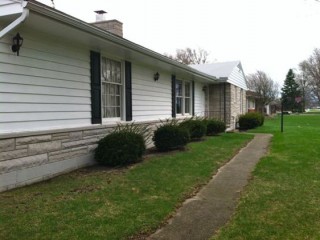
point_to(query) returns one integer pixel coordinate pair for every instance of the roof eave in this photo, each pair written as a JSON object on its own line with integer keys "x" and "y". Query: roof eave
{"x": 77, "y": 23}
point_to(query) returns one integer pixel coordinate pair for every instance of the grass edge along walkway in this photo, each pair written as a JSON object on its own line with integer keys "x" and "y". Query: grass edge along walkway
{"x": 212, "y": 207}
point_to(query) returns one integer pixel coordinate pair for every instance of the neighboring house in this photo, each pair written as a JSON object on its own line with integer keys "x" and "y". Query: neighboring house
{"x": 251, "y": 101}
{"x": 71, "y": 82}
{"x": 226, "y": 100}
{"x": 254, "y": 106}
{"x": 273, "y": 107}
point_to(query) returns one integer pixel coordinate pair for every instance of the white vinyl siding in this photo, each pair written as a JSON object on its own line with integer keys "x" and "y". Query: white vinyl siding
{"x": 199, "y": 99}
{"x": 237, "y": 78}
{"x": 151, "y": 100}
{"x": 47, "y": 86}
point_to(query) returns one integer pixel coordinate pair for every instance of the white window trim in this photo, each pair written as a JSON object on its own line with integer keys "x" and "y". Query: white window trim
{"x": 183, "y": 99}
{"x": 122, "y": 98}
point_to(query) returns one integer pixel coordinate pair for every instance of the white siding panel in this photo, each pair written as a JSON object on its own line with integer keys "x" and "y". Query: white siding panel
{"x": 150, "y": 108}
{"x": 151, "y": 100}
{"x": 31, "y": 89}
{"x": 40, "y": 98}
{"x": 142, "y": 104}
{"x": 199, "y": 99}
{"x": 237, "y": 78}
{"x": 42, "y": 116}
{"x": 46, "y": 87}
{"x": 151, "y": 117}
{"x": 25, "y": 108}
{"x": 40, "y": 63}
{"x": 146, "y": 93}
{"x": 38, "y": 81}
{"x": 153, "y": 113}
{"x": 42, "y": 125}
{"x": 38, "y": 72}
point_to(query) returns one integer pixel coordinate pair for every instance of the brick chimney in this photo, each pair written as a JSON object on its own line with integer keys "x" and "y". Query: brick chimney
{"x": 114, "y": 26}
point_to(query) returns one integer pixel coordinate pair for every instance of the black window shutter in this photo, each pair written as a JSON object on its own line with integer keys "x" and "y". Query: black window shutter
{"x": 192, "y": 96}
{"x": 128, "y": 91}
{"x": 173, "y": 90}
{"x": 95, "y": 69}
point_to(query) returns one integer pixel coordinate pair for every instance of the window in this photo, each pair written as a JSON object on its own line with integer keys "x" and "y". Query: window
{"x": 111, "y": 88}
{"x": 183, "y": 97}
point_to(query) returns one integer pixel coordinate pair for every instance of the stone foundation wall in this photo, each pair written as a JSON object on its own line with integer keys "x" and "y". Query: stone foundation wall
{"x": 26, "y": 158}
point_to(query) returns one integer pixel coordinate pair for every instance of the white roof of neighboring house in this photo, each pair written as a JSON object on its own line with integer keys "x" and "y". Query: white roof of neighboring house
{"x": 230, "y": 72}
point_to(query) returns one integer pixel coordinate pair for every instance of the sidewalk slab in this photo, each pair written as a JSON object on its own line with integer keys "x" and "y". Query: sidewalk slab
{"x": 201, "y": 216}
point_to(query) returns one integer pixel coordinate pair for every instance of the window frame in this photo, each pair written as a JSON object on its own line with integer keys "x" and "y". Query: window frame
{"x": 122, "y": 88}
{"x": 183, "y": 98}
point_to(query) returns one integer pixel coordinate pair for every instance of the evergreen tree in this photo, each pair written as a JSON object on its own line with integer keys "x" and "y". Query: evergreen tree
{"x": 290, "y": 93}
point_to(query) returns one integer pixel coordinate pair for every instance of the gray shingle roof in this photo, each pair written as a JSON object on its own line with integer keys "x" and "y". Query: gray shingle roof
{"x": 218, "y": 69}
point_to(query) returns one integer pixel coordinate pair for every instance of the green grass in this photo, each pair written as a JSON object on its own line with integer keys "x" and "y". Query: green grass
{"x": 99, "y": 204}
{"x": 283, "y": 199}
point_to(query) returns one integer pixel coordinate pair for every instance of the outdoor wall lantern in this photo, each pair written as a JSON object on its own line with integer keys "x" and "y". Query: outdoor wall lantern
{"x": 204, "y": 88}
{"x": 156, "y": 76}
{"x": 17, "y": 41}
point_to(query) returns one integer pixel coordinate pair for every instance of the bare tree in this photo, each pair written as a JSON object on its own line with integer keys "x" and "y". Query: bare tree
{"x": 308, "y": 98}
{"x": 266, "y": 89}
{"x": 310, "y": 69}
{"x": 190, "y": 56}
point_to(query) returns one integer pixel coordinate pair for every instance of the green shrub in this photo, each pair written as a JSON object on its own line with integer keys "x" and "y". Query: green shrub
{"x": 251, "y": 120}
{"x": 170, "y": 136}
{"x": 197, "y": 128}
{"x": 215, "y": 127}
{"x": 141, "y": 129}
{"x": 125, "y": 145}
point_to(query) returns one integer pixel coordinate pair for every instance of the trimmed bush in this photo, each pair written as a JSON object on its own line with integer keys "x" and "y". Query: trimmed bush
{"x": 251, "y": 120}
{"x": 215, "y": 127}
{"x": 125, "y": 145}
{"x": 197, "y": 128}
{"x": 170, "y": 136}
{"x": 120, "y": 148}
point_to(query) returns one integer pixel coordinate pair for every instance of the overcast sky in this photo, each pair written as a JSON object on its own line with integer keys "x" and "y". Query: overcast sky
{"x": 267, "y": 35}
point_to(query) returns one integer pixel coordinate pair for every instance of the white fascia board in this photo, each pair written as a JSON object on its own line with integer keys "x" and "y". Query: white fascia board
{"x": 11, "y": 7}
{"x": 86, "y": 27}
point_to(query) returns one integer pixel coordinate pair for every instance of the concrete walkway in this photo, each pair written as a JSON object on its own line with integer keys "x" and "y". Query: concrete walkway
{"x": 201, "y": 216}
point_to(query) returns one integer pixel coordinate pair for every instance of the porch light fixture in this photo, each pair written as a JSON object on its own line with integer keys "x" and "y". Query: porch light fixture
{"x": 156, "y": 76}
{"x": 204, "y": 88}
{"x": 17, "y": 41}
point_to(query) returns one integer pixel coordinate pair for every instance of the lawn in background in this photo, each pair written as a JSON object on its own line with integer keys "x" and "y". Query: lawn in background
{"x": 283, "y": 199}
{"x": 95, "y": 203}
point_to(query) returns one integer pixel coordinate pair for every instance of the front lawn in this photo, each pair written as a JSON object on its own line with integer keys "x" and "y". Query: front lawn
{"x": 96, "y": 203}
{"x": 283, "y": 199}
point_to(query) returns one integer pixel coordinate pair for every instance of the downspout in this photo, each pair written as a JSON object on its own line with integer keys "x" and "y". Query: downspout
{"x": 15, "y": 23}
